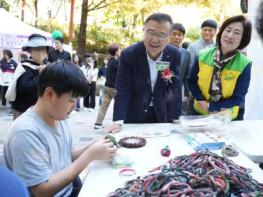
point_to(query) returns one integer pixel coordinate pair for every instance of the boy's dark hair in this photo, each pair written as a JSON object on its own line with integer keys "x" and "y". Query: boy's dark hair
{"x": 246, "y": 31}
{"x": 159, "y": 17}
{"x": 60, "y": 39}
{"x": 179, "y": 27}
{"x": 8, "y": 52}
{"x": 63, "y": 77}
{"x": 259, "y": 20}
{"x": 112, "y": 49}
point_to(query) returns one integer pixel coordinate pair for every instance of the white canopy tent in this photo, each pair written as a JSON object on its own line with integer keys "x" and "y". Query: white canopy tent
{"x": 14, "y": 33}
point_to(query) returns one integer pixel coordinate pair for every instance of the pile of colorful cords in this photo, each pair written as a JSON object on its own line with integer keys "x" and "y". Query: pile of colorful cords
{"x": 199, "y": 174}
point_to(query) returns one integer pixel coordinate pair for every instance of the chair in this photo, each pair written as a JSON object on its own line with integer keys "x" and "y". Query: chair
{"x": 11, "y": 185}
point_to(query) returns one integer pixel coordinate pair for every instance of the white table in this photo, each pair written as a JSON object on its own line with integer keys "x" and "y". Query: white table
{"x": 248, "y": 137}
{"x": 102, "y": 178}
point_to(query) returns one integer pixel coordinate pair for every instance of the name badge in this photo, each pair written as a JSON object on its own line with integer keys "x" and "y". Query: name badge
{"x": 161, "y": 65}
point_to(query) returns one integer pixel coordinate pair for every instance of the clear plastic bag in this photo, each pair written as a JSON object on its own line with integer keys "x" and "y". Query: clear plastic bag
{"x": 199, "y": 123}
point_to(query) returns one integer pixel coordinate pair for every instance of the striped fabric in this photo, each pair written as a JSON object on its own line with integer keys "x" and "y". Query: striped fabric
{"x": 215, "y": 88}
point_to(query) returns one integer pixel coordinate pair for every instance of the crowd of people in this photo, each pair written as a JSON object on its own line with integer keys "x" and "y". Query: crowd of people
{"x": 153, "y": 81}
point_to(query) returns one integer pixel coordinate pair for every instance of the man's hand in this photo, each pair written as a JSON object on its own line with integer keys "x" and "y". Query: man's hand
{"x": 203, "y": 105}
{"x": 114, "y": 128}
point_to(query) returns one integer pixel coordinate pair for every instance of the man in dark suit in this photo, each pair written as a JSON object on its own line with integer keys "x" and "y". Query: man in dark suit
{"x": 177, "y": 36}
{"x": 148, "y": 80}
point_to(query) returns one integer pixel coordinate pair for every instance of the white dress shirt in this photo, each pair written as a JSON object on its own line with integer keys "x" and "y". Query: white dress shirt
{"x": 153, "y": 70}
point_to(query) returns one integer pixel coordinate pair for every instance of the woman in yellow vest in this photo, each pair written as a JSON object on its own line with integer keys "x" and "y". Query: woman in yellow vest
{"x": 219, "y": 78}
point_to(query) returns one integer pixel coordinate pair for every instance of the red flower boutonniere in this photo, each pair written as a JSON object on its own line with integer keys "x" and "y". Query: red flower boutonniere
{"x": 167, "y": 75}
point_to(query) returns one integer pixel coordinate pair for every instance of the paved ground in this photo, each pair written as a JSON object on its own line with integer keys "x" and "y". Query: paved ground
{"x": 81, "y": 124}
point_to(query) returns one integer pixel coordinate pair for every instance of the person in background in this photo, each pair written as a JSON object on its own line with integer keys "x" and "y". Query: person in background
{"x": 220, "y": 77}
{"x": 102, "y": 79}
{"x": 77, "y": 60}
{"x": 109, "y": 89}
{"x": 92, "y": 79}
{"x": 59, "y": 53}
{"x": 148, "y": 79}
{"x": 103, "y": 69}
{"x": 8, "y": 66}
{"x": 88, "y": 59}
{"x": 39, "y": 146}
{"x": 92, "y": 75}
{"x": 177, "y": 36}
{"x": 26, "y": 87}
{"x": 208, "y": 32}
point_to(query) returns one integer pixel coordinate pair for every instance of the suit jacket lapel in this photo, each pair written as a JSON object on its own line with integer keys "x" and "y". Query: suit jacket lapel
{"x": 160, "y": 81}
{"x": 144, "y": 67}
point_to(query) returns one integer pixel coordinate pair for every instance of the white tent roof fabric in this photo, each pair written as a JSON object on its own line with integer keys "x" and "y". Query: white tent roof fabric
{"x": 14, "y": 33}
{"x": 11, "y": 25}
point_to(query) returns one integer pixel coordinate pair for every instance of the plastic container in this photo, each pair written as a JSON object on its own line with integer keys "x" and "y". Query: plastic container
{"x": 199, "y": 123}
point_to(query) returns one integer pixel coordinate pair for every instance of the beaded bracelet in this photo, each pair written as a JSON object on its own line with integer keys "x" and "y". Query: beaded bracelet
{"x": 132, "y": 142}
{"x": 127, "y": 172}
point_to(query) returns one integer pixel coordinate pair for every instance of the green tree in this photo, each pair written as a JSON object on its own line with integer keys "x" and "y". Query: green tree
{"x": 89, "y": 6}
{"x": 193, "y": 33}
{"x": 51, "y": 24}
{"x": 4, "y": 4}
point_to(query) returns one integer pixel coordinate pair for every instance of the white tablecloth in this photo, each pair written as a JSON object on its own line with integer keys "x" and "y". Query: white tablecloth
{"x": 102, "y": 178}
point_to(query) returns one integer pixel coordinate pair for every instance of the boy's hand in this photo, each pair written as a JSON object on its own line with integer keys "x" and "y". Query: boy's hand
{"x": 103, "y": 149}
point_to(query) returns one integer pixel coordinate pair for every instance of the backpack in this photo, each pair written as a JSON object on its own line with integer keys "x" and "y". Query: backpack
{"x": 11, "y": 91}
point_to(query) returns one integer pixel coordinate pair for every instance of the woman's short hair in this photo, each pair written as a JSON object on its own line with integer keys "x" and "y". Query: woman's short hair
{"x": 246, "y": 37}
{"x": 8, "y": 52}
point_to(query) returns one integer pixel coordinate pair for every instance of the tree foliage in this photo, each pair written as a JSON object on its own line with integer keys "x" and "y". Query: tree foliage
{"x": 4, "y": 4}
{"x": 89, "y": 6}
{"x": 119, "y": 21}
{"x": 50, "y": 25}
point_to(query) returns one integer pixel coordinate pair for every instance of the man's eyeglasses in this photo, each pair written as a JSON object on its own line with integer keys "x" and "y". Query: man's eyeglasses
{"x": 160, "y": 35}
